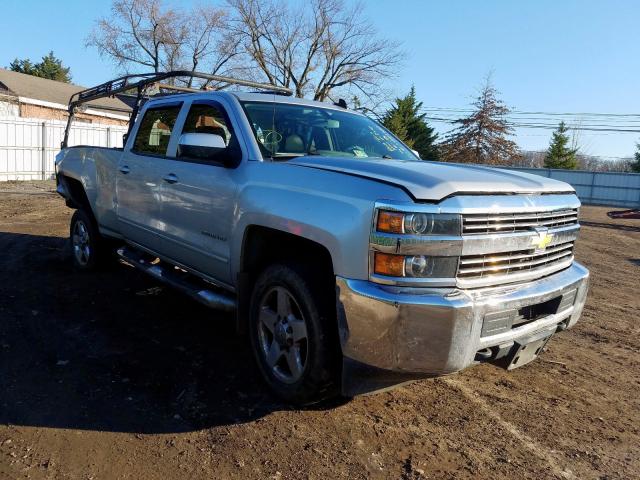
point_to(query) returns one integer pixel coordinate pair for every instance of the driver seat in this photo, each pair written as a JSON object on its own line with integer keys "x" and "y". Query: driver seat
{"x": 294, "y": 144}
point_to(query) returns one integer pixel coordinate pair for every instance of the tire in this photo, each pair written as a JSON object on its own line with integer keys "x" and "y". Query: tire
{"x": 88, "y": 248}
{"x": 294, "y": 335}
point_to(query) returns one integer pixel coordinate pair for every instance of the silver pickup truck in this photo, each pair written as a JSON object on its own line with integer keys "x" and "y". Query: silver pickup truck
{"x": 352, "y": 264}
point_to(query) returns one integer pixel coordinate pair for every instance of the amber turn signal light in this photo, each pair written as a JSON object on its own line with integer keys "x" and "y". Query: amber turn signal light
{"x": 390, "y": 222}
{"x": 388, "y": 264}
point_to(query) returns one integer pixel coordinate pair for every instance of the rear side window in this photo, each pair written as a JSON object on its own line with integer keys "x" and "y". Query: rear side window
{"x": 155, "y": 130}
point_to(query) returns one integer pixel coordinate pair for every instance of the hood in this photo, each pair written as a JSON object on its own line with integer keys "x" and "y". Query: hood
{"x": 433, "y": 181}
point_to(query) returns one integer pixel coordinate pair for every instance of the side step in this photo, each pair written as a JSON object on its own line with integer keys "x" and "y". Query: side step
{"x": 193, "y": 286}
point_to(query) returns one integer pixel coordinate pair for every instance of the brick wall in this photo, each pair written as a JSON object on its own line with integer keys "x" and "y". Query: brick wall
{"x": 46, "y": 113}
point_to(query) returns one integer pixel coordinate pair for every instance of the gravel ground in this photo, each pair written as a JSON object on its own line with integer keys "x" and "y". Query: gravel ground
{"x": 110, "y": 375}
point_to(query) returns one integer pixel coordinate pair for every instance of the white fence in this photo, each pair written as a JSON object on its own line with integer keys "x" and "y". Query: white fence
{"x": 28, "y": 146}
{"x": 597, "y": 188}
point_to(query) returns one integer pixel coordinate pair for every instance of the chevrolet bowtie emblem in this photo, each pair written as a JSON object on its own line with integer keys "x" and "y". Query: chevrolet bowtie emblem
{"x": 542, "y": 240}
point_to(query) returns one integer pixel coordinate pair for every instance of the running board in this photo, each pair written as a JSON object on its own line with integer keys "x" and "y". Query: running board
{"x": 187, "y": 283}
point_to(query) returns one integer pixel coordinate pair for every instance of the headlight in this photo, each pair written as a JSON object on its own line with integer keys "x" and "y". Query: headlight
{"x": 418, "y": 223}
{"x": 416, "y": 266}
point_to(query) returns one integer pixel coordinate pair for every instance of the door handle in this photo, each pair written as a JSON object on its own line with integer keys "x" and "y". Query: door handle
{"x": 124, "y": 169}
{"x": 170, "y": 178}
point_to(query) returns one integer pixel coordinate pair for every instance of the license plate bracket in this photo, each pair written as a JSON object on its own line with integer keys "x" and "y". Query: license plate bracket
{"x": 526, "y": 350}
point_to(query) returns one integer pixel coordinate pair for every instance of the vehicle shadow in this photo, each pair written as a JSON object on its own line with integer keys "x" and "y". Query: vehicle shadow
{"x": 626, "y": 228}
{"x": 114, "y": 350}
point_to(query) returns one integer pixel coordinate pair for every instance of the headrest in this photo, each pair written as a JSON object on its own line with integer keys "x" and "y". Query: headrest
{"x": 294, "y": 144}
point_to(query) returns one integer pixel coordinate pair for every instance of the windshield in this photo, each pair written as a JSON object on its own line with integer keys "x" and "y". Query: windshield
{"x": 289, "y": 130}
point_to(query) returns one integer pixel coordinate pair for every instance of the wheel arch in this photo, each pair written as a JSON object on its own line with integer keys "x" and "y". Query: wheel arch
{"x": 261, "y": 243}
{"x": 76, "y": 195}
{"x": 262, "y": 246}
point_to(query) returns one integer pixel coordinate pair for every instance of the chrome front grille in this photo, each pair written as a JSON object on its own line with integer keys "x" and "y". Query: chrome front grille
{"x": 502, "y": 240}
{"x": 507, "y": 264}
{"x": 482, "y": 223}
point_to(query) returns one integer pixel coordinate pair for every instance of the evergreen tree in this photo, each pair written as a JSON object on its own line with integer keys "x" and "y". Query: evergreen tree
{"x": 560, "y": 154}
{"x": 482, "y": 137}
{"x": 405, "y": 120}
{"x": 50, "y": 67}
{"x": 635, "y": 166}
{"x": 22, "y": 66}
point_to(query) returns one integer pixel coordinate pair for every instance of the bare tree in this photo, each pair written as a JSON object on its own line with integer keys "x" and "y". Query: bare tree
{"x": 482, "y": 137}
{"x": 320, "y": 49}
{"x": 599, "y": 164}
{"x": 138, "y": 32}
{"x": 535, "y": 159}
{"x": 529, "y": 159}
{"x": 316, "y": 49}
{"x": 148, "y": 35}
{"x": 209, "y": 43}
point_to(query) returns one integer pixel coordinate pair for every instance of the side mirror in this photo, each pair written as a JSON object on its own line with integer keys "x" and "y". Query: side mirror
{"x": 209, "y": 147}
{"x": 200, "y": 142}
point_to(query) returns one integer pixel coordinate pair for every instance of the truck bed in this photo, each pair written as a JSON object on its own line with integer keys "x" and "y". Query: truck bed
{"x": 95, "y": 168}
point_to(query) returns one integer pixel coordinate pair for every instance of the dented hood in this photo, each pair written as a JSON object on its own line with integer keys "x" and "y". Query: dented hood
{"x": 434, "y": 181}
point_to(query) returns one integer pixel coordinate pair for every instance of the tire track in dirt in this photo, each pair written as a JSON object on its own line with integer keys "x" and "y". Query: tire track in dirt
{"x": 531, "y": 445}
{"x": 92, "y": 376}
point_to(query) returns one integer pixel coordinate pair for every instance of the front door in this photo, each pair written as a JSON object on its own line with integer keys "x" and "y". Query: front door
{"x": 198, "y": 200}
{"x": 139, "y": 178}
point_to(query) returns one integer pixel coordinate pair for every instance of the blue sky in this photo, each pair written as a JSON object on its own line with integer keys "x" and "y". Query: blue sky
{"x": 551, "y": 56}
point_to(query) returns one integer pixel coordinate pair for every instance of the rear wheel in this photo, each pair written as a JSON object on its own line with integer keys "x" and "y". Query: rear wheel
{"x": 88, "y": 248}
{"x": 292, "y": 330}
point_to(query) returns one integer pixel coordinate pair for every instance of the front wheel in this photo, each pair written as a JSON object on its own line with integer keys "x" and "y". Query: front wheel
{"x": 87, "y": 245}
{"x": 293, "y": 335}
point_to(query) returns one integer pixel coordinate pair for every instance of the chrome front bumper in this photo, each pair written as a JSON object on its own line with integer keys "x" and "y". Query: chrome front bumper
{"x": 431, "y": 331}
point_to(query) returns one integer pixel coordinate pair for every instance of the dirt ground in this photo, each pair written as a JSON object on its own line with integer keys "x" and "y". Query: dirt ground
{"x": 111, "y": 376}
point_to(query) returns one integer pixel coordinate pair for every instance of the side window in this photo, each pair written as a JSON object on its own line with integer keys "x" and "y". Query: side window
{"x": 155, "y": 130}
{"x": 208, "y": 119}
{"x": 211, "y": 138}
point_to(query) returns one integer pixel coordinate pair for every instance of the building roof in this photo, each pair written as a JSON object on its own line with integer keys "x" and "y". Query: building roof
{"x": 45, "y": 90}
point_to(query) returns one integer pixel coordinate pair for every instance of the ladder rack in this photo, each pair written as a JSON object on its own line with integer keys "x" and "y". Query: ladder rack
{"x": 134, "y": 85}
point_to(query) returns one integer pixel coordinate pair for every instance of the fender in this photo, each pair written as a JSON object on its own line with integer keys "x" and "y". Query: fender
{"x": 328, "y": 208}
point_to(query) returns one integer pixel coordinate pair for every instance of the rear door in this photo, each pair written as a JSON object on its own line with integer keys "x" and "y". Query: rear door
{"x": 139, "y": 177}
{"x": 199, "y": 200}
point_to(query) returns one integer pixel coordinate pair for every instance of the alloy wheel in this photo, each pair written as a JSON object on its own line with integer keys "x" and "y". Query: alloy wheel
{"x": 81, "y": 243}
{"x": 282, "y": 333}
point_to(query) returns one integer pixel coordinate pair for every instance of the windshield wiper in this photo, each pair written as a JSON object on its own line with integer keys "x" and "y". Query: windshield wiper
{"x": 295, "y": 155}
{"x": 287, "y": 155}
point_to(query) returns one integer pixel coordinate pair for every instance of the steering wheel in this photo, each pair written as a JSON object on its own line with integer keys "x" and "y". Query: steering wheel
{"x": 271, "y": 137}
